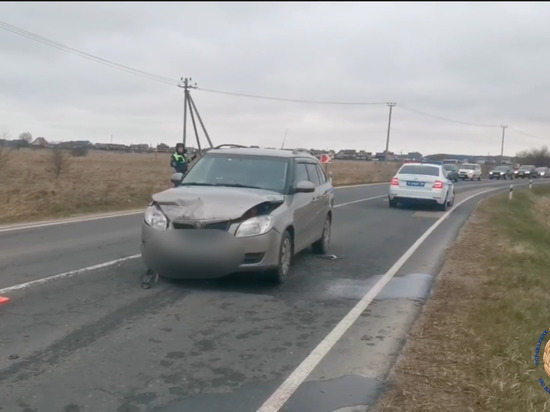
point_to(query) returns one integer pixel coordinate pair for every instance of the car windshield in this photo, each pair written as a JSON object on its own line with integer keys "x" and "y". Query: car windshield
{"x": 259, "y": 172}
{"x": 504, "y": 168}
{"x": 541, "y": 169}
{"x": 450, "y": 167}
{"x": 419, "y": 170}
{"x": 468, "y": 167}
{"x": 526, "y": 167}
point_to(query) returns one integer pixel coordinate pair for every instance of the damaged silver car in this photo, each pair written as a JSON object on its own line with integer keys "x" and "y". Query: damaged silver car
{"x": 239, "y": 209}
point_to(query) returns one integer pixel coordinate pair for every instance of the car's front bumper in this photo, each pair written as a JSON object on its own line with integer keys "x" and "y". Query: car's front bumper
{"x": 206, "y": 253}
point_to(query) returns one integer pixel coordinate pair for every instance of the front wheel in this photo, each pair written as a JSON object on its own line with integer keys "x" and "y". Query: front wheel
{"x": 321, "y": 246}
{"x": 280, "y": 273}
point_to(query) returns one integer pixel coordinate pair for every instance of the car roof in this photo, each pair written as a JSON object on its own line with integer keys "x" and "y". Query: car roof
{"x": 421, "y": 164}
{"x": 253, "y": 151}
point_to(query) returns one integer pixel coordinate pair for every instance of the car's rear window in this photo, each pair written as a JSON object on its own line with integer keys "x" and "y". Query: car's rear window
{"x": 419, "y": 170}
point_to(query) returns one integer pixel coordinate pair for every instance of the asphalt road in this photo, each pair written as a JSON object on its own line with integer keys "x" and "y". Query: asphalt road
{"x": 96, "y": 341}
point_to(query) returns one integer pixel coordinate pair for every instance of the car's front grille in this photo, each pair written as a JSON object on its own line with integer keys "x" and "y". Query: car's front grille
{"x": 224, "y": 226}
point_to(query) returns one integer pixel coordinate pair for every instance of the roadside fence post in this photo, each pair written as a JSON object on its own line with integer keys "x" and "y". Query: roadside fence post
{"x": 511, "y": 192}
{"x": 530, "y": 183}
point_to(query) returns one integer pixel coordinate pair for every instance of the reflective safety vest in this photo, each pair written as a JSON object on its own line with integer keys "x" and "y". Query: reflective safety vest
{"x": 179, "y": 158}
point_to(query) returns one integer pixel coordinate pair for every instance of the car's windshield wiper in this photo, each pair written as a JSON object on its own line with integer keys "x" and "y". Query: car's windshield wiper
{"x": 237, "y": 185}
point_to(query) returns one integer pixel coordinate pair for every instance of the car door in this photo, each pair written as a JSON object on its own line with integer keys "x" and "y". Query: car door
{"x": 317, "y": 209}
{"x": 324, "y": 202}
{"x": 303, "y": 206}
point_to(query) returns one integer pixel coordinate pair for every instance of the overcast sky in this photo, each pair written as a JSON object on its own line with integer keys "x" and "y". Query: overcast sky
{"x": 483, "y": 63}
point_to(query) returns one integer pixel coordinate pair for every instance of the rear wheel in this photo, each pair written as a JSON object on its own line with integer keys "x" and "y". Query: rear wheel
{"x": 452, "y": 201}
{"x": 443, "y": 207}
{"x": 321, "y": 246}
{"x": 392, "y": 202}
{"x": 279, "y": 274}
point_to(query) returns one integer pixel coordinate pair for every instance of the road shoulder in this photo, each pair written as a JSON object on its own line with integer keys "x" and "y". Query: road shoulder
{"x": 472, "y": 346}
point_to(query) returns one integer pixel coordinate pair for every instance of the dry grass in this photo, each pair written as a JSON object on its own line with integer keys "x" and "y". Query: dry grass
{"x": 473, "y": 347}
{"x": 350, "y": 172}
{"x": 98, "y": 182}
{"x": 36, "y": 184}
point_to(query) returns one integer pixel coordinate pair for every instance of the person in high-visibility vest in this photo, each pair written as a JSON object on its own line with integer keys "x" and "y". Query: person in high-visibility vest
{"x": 179, "y": 159}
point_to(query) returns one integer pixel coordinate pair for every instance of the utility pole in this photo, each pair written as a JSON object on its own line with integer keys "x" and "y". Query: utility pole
{"x": 186, "y": 86}
{"x": 388, "y": 136}
{"x": 502, "y": 144}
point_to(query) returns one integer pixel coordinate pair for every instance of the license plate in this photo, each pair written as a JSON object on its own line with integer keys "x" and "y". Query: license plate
{"x": 416, "y": 184}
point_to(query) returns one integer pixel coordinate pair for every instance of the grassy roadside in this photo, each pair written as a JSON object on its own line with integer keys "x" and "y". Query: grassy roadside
{"x": 473, "y": 348}
{"x": 109, "y": 182}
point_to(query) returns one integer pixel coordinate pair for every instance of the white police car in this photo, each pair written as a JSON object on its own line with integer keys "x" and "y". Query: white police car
{"x": 422, "y": 183}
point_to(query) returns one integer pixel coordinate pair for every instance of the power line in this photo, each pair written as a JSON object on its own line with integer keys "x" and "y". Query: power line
{"x": 286, "y": 99}
{"x": 33, "y": 36}
{"x": 172, "y": 82}
{"x": 528, "y": 134}
{"x": 448, "y": 120}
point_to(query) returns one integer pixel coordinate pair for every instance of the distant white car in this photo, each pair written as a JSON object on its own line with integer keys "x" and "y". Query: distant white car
{"x": 470, "y": 171}
{"x": 422, "y": 183}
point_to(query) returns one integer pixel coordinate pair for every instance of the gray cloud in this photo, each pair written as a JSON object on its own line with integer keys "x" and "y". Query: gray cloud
{"x": 481, "y": 63}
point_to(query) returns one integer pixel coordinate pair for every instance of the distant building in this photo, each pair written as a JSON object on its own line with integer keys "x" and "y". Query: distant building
{"x": 140, "y": 148}
{"x": 40, "y": 142}
{"x": 348, "y": 154}
{"x": 163, "y": 148}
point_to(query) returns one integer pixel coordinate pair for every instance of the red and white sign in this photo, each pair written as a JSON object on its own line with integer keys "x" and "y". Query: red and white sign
{"x": 325, "y": 158}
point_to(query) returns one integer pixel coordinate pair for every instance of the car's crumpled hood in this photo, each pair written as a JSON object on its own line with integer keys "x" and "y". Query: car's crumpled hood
{"x": 207, "y": 203}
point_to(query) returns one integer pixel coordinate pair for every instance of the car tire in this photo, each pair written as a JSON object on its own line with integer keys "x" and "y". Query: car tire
{"x": 280, "y": 273}
{"x": 452, "y": 202}
{"x": 392, "y": 203}
{"x": 443, "y": 207}
{"x": 322, "y": 245}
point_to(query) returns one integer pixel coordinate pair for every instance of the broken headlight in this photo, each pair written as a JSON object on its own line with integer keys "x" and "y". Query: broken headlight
{"x": 254, "y": 226}
{"x": 155, "y": 218}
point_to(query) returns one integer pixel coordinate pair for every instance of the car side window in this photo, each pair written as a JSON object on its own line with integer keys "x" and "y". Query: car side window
{"x": 312, "y": 172}
{"x": 322, "y": 176}
{"x": 301, "y": 173}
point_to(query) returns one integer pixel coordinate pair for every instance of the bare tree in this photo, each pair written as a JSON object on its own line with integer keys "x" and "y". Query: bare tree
{"x": 60, "y": 161}
{"x": 26, "y": 136}
{"x": 537, "y": 157}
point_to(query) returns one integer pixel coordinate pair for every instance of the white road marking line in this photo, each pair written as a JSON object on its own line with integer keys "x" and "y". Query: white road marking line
{"x": 299, "y": 375}
{"x": 362, "y": 185}
{"x": 360, "y": 200}
{"x": 66, "y": 274}
{"x": 66, "y": 221}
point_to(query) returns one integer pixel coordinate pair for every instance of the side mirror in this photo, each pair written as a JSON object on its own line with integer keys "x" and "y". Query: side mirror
{"x": 176, "y": 179}
{"x": 304, "y": 187}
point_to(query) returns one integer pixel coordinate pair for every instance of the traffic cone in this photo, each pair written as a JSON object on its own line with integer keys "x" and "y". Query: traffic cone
{"x": 3, "y": 299}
